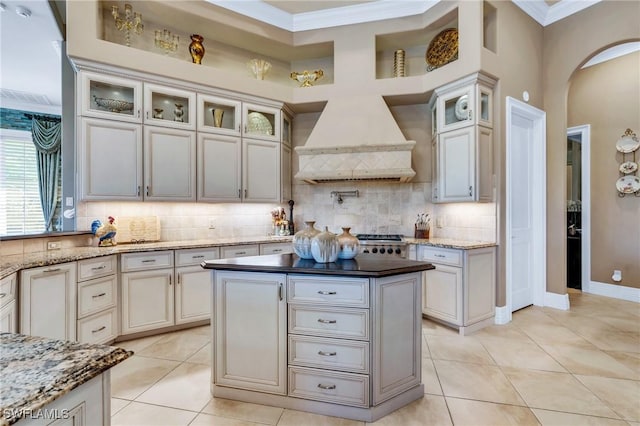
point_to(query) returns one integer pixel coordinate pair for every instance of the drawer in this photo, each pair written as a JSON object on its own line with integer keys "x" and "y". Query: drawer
{"x": 189, "y": 257}
{"x": 146, "y": 260}
{"x": 439, "y": 255}
{"x": 98, "y": 267}
{"x": 239, "y": 251}
{"x": 99, "y": 328}
{"x": 347, "y": 323}
{"x": 321, "y": 385}
{"x": 8, "y": 289}
{"x": 328, "y": 291}
{"x": 96, "y": 295}
{"x": 333, "y": 354}
{"x": 276, "y": 248}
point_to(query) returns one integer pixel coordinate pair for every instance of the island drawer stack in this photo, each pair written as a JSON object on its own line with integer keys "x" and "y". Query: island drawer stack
{"x": 329, "y": 339}
{"x": 97, "y": 297}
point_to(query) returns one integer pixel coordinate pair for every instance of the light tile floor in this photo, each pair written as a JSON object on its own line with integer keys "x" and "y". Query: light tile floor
{"x": 549, "y": 367}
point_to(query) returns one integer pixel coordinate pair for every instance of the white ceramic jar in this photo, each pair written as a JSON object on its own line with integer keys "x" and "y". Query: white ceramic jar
{"x": 325, "y": 247}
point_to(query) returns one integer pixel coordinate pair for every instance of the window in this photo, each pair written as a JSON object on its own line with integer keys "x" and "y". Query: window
{"x": 20, "y": 209}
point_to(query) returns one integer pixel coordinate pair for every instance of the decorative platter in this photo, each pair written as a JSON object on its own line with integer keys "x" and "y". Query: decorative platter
{"x": 628, "y": 142}
{"x": 628, "y": 184}
{"x": 628, "y": 167}
{"x": 442, "y": 49}
{"x": 258, "y": 123}
{"x": 113, "y": 105}
{"x": 462, "y": 108}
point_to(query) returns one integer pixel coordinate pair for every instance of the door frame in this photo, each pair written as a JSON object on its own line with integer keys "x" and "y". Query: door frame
{"x": 515, "y": 107}
{"x": 585, "y": 187}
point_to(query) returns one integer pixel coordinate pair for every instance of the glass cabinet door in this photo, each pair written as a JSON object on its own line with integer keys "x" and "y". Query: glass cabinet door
{"x": 169, "y": 107}
{"x": 110, "y": 97}
{"x": 261, "y": 122}
{"x": 485, "y": 105}
{"x": 286, "y": 130}
{"x": 456, "y": 109}
{"x": 218, "y": 115}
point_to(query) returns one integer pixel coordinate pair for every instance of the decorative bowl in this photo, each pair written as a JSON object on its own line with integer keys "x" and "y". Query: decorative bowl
{"x": 113, "y": 105}
{"x": 307, "y": 78}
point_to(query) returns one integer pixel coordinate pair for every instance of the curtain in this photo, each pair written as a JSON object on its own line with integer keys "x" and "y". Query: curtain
{"x": 47, "y": 137}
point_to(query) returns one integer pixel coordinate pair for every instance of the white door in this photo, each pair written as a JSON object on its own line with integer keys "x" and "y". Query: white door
{"x": 526, "y": 205}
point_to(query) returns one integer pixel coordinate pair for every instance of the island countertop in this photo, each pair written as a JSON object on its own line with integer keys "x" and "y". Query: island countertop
{"x": 34, "y": 371}
{"x": 363, "y": 265}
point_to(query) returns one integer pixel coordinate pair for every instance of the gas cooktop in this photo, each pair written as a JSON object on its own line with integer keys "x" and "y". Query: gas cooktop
{"x": 380, "y": 237}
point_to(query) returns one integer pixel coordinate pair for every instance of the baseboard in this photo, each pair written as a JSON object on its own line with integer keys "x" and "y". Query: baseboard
{"x": 503, "y": 316}
{"x": 616, "y": 291}
{"x": 556, "y": 301}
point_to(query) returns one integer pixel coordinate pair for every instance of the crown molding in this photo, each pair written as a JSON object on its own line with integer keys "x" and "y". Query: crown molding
{"x": 259, "y": 10}
{"x": 536, "y": 9}
{"x": 566, "y": 8}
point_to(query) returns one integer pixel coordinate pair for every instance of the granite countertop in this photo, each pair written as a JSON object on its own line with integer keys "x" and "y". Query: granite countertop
{"x": 449, "y": 243}
{"x": 13, "y": 263}
{"x": 34, "y": 371}
{"x": 363, "y": 265}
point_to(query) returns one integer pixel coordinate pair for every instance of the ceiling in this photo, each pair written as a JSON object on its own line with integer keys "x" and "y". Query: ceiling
{"x": 30, "y": 54}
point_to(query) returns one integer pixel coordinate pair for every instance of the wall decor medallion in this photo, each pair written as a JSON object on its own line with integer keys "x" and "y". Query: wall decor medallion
{"x": 196, "y": 48}
{"x": 442, "y": 49}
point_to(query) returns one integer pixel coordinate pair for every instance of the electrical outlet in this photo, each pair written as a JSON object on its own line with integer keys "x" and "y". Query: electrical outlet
{"x": 54, "y": 245}
{"x": 212, "y": 223}
{"x": 438, "y": 222}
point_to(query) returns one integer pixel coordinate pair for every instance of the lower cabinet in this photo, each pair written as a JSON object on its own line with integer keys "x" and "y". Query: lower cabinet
{"x": 48, "y": 301}
{"x": 461, "y": 290}
{"x": 8, "y": 309}
{"x": 194, "y": 285}
{"x": 251, "y": 331}
{"x": 97, "y": 300}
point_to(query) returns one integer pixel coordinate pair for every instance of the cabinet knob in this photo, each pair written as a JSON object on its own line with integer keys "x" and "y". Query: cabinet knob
{"x": 147, "y": 190}
{"x": 138, "y": 190}
{"x": 245, "y": 193}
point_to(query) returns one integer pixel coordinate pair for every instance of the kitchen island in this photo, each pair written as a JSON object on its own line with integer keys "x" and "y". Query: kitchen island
{"x": 340, "y": 339}
{"x": 43, "y": 380}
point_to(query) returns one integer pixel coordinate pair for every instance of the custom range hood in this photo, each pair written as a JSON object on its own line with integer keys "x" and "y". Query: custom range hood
{"x": 355, "y": 138}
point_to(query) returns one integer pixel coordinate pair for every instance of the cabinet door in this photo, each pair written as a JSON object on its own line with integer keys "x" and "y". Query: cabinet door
{"x": 287, "y": 137}
{"x": 110, "y": 97}
{"x": 456, "y": 165}
{"x": 219, "y": 115}
{"x": 435, "y": 196}
{"x": 219, "y": 168}
{"x": 456, "y": 108}
{"x": 110, "y": 160}
{"x": 147, "y": 300}
{"x": 442, "y": 293}
{"x": 9, "y": 318}
{"x": 169, "y": 107}
{"x": 250, "y": 307}
{"x": 48, "y": 301}
{"x": 261, "y": 122}
{"x": 261, "y": 171}
{"x": 479, "y": 285}
{"x": 285, "y": 173}
{"x": 193, "y": 294}
{"x": 169, "y": 164}
{"x": 484, "y": 174}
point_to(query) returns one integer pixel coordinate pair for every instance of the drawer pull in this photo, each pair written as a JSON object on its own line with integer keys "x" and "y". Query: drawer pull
{"x": 2, "y": 295}
{"x": 97, "y": 268}
{"x": 52, "y": 270}
{"x": 99, "y": 329}
{"x": 326, "y": 387}
{"x": 241, "y": 252}
{"x": 198, "y": 257}
{"x": 439, "y": 255}
{"x": 148, "y": 261}
{"x": 327, "y": 293}
{"x": 323, "y": 353}
{"x": 99, "y": 295}
{"x": 325, "y": 321}
{"x": 277, "y": 250}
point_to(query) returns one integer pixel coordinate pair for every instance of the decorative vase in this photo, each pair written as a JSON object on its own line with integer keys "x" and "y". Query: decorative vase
{"x": 196, "y": 48}
{"x": 307, "y": 78}
{"x": 259, "y": 68}
{"x": 217, "y": 117}
{"x": 325, "y": 247}
{"x": 349, "y": 244}
{"x": 398, "y": 63}
{"x": 302, "y": 240}
{"x": 178, "y": 113}
{"x": 157, "y": 113}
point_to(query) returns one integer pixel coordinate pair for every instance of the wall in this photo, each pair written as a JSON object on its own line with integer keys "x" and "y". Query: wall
{"x": 607, "y": 96}
{"x": 568, "y": 44}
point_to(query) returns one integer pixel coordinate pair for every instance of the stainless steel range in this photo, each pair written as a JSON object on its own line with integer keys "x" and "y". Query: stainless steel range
{"x": 384, "y": 244}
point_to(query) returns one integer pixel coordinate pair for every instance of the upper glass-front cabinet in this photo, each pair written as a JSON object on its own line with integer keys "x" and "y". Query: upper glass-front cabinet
{"x": 286, "y": 129}
{"x": 219, "y": 115}
{"x": 261, "y": 122}
{"x": 463, "y": 103}
{"x": 169, "y": 107}
{"x": 110, "y": 97}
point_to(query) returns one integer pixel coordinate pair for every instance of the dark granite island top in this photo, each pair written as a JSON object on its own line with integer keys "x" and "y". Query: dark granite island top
{"x": 363, "y": 265}
{"x": 35, "y": 371}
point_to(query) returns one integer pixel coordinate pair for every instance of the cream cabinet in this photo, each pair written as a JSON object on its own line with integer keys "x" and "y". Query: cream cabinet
{"x": 260, "y": 171}
{"x": 48, "y": 301}
{"x": 250, "y": 307}
{"x": 239, "y": 251}
{"x": 147, "y": 291}
{"x": 194, "y": 285}
{"x": 110, "y": 97}
{"x": 219, "y": 168}
{"x": 462, "y": 144}
{"x": 169, "y": 107}
{"x": 8, "y": 309}
{"x": 97, "y": 300}
{"x": 219, "y": 115}
{"x": 261, "y": 122}
{"x": 169, "y": 164}
{"x": 460, "y": 291}
{"x": 110, "y": 160}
